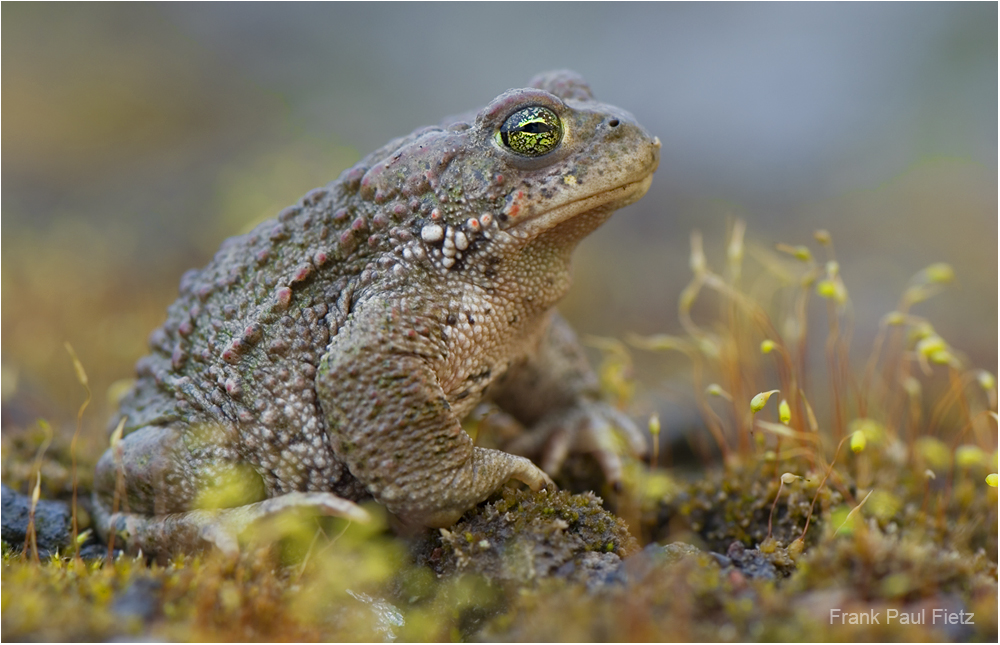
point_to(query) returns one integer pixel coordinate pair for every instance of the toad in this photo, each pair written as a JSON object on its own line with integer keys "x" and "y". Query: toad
{"x": 329, "y": 356}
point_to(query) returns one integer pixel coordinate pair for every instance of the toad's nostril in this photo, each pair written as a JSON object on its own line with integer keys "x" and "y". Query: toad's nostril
{"x": 613, "y": 123}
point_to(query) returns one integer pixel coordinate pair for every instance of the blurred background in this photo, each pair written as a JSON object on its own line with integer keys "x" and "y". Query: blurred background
{"x": 139, "y": 136}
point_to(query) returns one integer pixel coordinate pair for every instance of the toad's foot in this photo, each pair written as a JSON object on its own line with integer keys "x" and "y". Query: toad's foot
{"x": 590, "y": 427}
{"x": 202, "y": 530}
{"x": 472, "y": 482}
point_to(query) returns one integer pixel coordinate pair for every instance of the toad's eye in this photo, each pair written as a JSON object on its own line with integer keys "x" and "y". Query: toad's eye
{"x": 532, "y": 131}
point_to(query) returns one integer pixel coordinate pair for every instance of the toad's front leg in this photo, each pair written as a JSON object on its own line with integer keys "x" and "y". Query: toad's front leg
{"x": 391, "y": 422}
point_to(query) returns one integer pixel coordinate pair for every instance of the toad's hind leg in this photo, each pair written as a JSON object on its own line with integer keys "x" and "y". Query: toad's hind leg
{"x": 201, "y": 530}
{"x": 181, "y": 488}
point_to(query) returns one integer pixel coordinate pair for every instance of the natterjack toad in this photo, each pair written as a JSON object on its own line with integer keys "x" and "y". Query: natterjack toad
{"x": 329, "y": 355}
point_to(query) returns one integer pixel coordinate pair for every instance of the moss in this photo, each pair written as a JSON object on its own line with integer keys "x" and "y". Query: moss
{"x": 734, "y": 505}
{"x": 906, "y": 522}
{"x": 523, "y": 536}
{"x": 516, "y": 561}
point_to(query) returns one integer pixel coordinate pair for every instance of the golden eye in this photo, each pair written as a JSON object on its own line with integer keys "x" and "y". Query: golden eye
{"x": 532, "y": 131}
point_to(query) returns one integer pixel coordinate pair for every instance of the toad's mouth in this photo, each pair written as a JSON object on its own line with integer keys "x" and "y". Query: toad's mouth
{"x": 529, "y": 223}
{"x": 606, "y": 201}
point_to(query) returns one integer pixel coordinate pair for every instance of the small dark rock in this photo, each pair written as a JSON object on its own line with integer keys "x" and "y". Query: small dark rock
{"x": 751, "y": 562}
{"x": 53, "y": 522}
{"x": 596, "y": 570}
{"x": 92, "y": 549}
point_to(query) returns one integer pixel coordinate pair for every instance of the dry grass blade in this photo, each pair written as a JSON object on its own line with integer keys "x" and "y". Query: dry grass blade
{"x": 81, "y": 376}
{"x": 31, "y": 538}
{"x": 853, "y": 511}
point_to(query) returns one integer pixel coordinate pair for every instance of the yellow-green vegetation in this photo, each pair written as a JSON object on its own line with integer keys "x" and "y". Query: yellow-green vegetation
{"x": 861, "y": 482}
{"x": 322, "y": 580}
